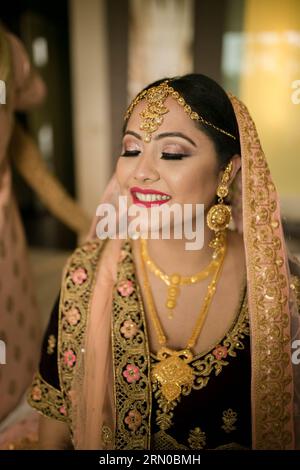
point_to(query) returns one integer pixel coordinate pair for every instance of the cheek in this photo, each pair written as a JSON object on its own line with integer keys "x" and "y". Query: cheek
{"x": 198, "y": 186}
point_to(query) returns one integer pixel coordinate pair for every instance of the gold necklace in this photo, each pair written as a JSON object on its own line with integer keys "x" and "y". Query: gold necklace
{"x": 173, "y": 371}
{"x": 175, "y": 280}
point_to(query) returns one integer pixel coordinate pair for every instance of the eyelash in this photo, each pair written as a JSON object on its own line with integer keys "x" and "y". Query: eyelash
{"x": 165, "y": 155}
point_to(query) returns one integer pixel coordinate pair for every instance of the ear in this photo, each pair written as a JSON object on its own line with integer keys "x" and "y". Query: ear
{"x": 236, "y": 166}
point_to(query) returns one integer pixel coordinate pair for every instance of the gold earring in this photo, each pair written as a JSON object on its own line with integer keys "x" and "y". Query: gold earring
{"x": 219, "y": 215}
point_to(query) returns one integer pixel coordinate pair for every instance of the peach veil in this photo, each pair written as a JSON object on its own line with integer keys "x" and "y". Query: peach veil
{"x": 274, "y": 318}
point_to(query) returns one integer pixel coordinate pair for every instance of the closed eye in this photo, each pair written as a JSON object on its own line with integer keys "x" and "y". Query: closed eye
{"x": 131, "y": 153}
{"x": 173, "y": 156}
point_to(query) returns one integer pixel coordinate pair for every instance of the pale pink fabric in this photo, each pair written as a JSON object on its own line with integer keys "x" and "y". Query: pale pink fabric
{"x": 19, "y": 316}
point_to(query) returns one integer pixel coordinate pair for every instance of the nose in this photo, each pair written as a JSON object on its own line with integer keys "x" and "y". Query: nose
{"x": 145, "y": 170}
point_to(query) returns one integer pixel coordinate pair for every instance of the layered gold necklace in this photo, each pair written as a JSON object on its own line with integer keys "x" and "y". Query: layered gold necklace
{"x": 175, "y": 280}
{"x": 172, "y": 371}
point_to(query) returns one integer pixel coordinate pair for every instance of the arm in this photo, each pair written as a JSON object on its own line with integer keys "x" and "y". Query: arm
{"x": 30, "y": 165}
{"x": 53, "y": 435}
{"x": 45, "y": 393}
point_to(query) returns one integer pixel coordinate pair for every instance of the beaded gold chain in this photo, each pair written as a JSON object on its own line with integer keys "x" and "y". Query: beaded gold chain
{"x": 175, "y": 280}
{"x": 173, "y": 371}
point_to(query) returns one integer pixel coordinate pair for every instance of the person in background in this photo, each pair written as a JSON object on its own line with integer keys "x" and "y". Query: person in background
{"x": 20, "y": 326}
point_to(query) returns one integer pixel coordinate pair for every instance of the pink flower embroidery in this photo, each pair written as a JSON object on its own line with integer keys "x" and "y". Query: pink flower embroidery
{"x": 132, "y": 373}
{"x": 63, "y": 410}
{"x": 36, "y": 393}
{"x": 129, "y": 329}
{"x": 69, "y": 358}
{"x": 125, "y": 288}
{"x": 72, "y": 316}
{"x": 220, "y": 352}
{"x": 79, "y": 276}
{"x": 133, "y": 420}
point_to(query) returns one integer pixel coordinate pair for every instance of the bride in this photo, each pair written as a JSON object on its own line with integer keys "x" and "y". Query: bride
{"x": 153, "y": 346}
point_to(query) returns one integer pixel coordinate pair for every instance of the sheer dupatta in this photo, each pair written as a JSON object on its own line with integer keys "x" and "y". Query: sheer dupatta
{"x": 274, "y": 320}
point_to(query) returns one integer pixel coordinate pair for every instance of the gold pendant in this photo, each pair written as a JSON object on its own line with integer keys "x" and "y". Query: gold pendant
{"x": 173, "y": 372}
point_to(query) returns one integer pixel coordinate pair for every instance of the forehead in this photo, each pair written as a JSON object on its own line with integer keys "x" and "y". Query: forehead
{"x": 176, "y": 119}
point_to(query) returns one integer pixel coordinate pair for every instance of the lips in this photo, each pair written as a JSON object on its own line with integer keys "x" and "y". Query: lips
{"x": 148, "y": 197}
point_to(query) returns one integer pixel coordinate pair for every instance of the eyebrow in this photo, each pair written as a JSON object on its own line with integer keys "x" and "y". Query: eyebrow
{"x": 163, "y": 135}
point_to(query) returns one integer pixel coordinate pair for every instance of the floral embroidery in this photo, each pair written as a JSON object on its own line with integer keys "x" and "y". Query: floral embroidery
{"x": 77, "y": 287}
{"x": 129, "y": 329}
{"x": 72, "y": 316}
{"x": 51, "y": 344}
{"x": 229, "y": 419}
{"x": 132, "y": 373}
{"x": 125, "y": 288}
{"x": 197, "y": 439}
{"x": 133, "y": 420}
{"x": 220, "y": 352}
{"x": 47, "y": 399}
{"x": 69, "y": 358}
{"x": 36, "y": 393}
{"x": 79, "y": 276}
{"x": 133, "y": 352}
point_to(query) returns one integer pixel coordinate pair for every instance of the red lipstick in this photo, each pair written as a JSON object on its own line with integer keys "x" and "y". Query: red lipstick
{"x": 134, "y": 190}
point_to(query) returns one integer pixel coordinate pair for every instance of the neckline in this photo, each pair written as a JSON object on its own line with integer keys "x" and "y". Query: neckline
{"x": 237, "y": 317}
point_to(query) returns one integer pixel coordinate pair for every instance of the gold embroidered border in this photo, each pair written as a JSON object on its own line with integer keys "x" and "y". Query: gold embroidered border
{"x": 269, "y": 321}
{"x": 295, "y": 286}
{"x": 47, "y": 399}
{"x": 77, "y": 287}
{"x": 130, "y": 356}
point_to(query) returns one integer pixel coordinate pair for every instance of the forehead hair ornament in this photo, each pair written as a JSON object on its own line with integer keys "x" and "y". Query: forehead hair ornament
{"x": 152, "y": 114}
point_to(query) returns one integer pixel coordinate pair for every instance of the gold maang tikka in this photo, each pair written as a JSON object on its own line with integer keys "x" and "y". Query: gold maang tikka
{"x": 152, "y": 114}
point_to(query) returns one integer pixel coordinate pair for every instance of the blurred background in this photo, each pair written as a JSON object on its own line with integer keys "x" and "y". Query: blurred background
{"x": 94, "y": 55}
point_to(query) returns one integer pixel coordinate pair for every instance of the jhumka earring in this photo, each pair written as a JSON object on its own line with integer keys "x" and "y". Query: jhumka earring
{"x": 219, "y": 215}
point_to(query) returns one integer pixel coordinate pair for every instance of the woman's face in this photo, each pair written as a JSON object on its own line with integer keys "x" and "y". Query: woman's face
{"x": 180, "y": 161}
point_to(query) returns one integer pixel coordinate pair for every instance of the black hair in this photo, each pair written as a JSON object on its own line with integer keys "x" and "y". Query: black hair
{"x": 210, "y": 101}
